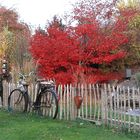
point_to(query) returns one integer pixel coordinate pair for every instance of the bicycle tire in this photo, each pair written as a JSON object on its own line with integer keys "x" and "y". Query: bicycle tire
{"x": 17, "y": 101}
{"x": 48, "y": 104}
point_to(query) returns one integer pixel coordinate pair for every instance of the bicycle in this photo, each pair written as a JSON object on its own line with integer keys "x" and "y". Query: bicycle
{"x": 46, "y": 102}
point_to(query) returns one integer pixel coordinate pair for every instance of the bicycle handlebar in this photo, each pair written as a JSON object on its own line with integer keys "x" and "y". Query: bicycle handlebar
{"x": 25, "y": 75}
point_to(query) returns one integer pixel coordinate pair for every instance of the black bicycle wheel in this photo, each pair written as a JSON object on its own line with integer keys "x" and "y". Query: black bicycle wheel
{"x": 17, "y": 101}
{"x": 48, "y": 104}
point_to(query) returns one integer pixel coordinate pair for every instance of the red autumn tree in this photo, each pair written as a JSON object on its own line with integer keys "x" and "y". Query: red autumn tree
{"x": 77, "y": 54}
{"x": 56, "y": 52}
{"x": 102, "y": 29}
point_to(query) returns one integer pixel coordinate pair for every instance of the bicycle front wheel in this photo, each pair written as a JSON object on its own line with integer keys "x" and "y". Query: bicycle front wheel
{"x": 48, "y": 104}
{"x": 17, "y": 101}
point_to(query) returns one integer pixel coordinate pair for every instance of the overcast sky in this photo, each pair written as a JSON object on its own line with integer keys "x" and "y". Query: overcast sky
{"x": 37, "y": 12}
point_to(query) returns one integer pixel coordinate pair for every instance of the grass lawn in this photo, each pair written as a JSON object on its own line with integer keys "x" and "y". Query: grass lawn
{"x": 31, "y": 127}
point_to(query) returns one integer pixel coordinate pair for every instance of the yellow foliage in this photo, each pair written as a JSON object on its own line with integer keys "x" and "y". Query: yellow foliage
{"x": 5, "y": 41}
{"x": 128, "y": 3}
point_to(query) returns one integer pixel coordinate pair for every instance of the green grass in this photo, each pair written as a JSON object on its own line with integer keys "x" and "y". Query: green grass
{"x": 32, "y": 127}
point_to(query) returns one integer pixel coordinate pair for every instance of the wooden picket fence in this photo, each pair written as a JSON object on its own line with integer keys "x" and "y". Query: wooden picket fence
{"x": 101, "y": 104}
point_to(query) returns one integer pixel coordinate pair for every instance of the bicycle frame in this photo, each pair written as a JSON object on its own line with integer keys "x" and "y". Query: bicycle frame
{"x": 42, "y": 88}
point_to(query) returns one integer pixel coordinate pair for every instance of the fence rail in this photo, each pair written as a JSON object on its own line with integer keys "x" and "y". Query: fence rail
{"x": 102, "y": 104}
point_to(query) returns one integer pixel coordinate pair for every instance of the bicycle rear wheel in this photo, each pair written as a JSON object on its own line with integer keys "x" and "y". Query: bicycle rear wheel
{"x": 17, "y": 101}
{"x": 48, "y": 104}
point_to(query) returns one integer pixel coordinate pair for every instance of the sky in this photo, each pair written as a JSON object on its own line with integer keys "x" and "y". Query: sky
{"x": 37, "y": 12}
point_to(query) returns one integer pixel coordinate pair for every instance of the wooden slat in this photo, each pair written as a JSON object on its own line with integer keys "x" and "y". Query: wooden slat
{"x": 60, "y": 90}
{"x": 82, "y": 93}
{"x": 73, "y": 104}
{"x": 64, "y": 102}
{"x": 118, "y": 106}
{"x": 129, "y": 117}
{"x": 114, "y": 94}
{"x": 105, "y": 105}
{"x": 95, "y": 102}
{"x": 139, "y": 105}
{"x": 67, "y": 103}
{"x": 110, "y": 102}
{"x": 79, "y": 93}
{"x": 90, "y": 100}
{"x": 124, "y": 108}
{"x": 70, "y": 102}
{"x": 122, "y": 93}
{"x": 134, "y": 106}
{"x": 98, "y": 103}
{"x": 103, "y": 110}
{"x": 86, "y": 100}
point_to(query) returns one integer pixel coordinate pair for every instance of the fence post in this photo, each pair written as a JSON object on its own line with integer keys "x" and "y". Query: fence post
{"x": 73, "y": 104}
{"x": 60, "y": 90}
{"x": 104, "y": 105}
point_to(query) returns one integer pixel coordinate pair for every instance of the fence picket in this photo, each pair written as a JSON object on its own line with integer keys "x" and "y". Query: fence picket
{"x": 110, "y": 102}
{"x": 78, "y": 92}
{"x": 73, "y": 104}
{"x": 124, "y": 117}
{"x": 64, "y": 102}
{"x": 98, "y": 102}
{"x": 139, "y": 106}
{"x": 122, "y": 93}
{"x": 67, "y": 103}
{"x": 86, "y": 101}
{"x": 95, "y": 103}
{"x": 90, "y": 101}
{"x": 103, "y": 105}
{"x": 82, "y": 93}
{"x": 134, "y": 106}
{"x": 105, "y": 119}
{"x": 60, "y": 90}
{"x": 70, "y": 101}
{"x": 129, "y": 108}
{"x": 118, "y": 106}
